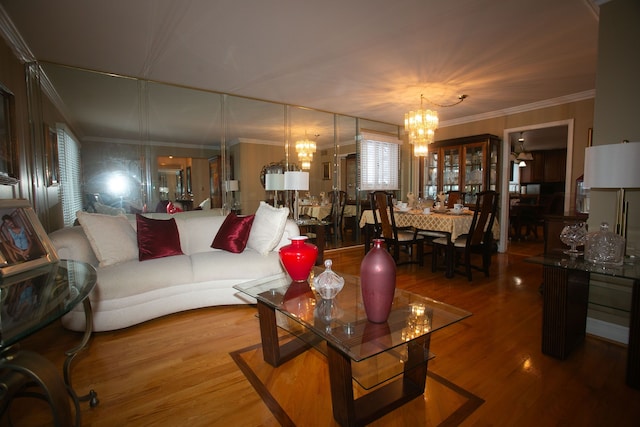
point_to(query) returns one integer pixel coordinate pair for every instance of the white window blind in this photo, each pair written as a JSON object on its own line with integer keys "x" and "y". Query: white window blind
{"x": 70, "y": 190}
{"x": 379, "y": 162}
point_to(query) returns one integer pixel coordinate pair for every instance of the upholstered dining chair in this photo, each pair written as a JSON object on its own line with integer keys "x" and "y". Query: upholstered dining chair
{"x": 395, "y": 237}
{"x": 479, "y": 239}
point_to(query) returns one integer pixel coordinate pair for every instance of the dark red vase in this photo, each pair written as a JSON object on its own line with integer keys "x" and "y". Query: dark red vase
{"x": 298, "y": 258}
{"x": 378, "y": 282}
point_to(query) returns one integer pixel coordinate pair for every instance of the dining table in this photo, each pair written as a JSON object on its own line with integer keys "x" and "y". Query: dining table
{"x": 447, "y": 221}
{"x": 322, "y": 211}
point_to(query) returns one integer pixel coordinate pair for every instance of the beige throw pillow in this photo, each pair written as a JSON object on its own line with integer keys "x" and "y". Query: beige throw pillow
{"x": 268, "y": 226}
{"x": 112, "y": 237}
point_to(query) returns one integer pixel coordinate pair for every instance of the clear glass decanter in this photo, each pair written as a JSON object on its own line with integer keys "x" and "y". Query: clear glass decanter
{"x": 328, "y": 283}
{"x": 604, "y": 247}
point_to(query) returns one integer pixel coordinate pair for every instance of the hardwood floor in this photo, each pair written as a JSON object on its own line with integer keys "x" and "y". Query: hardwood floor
{"x": 177, "y": 370}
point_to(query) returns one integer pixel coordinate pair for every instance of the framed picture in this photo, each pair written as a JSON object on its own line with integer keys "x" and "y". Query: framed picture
{"x": 326, "y": 171}
{"x": 24, "y": 244}
{"x": 8, "y": 143}
{"x": 53, "y": 164}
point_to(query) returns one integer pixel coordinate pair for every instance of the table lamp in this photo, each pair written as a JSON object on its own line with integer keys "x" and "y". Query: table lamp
{"x": 296, "y": 180}
{"x": 232, "y": 186}
{"x": 613, "y": 166}
{"x": 274, "y": 182}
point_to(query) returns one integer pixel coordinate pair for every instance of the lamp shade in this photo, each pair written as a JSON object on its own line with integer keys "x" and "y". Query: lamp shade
{"x": 274, "y": 181}
{"x": 296, "y": 180}
{"x": 612, "y": 166}
{"x": 231, "y": 185}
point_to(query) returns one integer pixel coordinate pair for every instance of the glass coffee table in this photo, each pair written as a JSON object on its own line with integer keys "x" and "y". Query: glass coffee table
{"x": 389, "y": 359}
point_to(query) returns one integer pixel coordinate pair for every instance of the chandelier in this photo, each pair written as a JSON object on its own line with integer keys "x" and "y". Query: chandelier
{"x": 305, "y": 149}
{"x": 421, "y": 126}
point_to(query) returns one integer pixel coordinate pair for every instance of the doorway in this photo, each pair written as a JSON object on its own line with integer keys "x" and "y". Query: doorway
{"x": 536, "y": 135}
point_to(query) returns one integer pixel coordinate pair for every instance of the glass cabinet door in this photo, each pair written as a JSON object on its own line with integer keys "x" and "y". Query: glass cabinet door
{"x": 450, "y": 169}
{"x": 474, "y": 159}
{"x": 431, "y": 175}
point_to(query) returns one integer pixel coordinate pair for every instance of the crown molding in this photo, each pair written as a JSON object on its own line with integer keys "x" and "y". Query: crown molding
{"x": 588, "y": 94}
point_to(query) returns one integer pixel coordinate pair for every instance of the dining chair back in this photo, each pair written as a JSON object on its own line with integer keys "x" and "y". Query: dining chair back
{"x": 454, "y": 197}
{"x": 338, "y": 199}
{"x": 479, "y": 239}
{"x": 395, "y": 237}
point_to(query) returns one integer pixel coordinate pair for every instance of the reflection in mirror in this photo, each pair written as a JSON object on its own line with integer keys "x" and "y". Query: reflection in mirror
{"x": 254, "y": 138}
{"x": 145, "y": 142}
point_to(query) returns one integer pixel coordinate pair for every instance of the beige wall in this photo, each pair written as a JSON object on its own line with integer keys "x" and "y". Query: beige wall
{"x": 616, "y": 109}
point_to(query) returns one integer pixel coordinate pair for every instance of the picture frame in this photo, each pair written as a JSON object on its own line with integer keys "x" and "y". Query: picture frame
{"x": 8, "y": 144}
{"x": 24, "y": 245}
{"x": 326, "y": 171}
{"x": 52, "y": 169}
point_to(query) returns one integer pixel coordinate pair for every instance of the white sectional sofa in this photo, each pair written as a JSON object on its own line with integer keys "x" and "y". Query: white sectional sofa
{"x": 130, "y": 291}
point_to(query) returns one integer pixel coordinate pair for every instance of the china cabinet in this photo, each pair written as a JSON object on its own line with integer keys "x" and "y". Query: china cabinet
{"x": 468, "y": 164}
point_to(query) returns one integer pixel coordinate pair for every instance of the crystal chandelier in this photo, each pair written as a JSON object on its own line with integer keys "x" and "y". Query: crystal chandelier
{"x": 305, "y": 149}
{"x": 421, "y": 126}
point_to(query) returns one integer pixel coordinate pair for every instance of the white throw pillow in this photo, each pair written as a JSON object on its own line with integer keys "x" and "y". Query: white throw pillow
{"x": 112, "y": 237}
{"x": 268, "y": 226}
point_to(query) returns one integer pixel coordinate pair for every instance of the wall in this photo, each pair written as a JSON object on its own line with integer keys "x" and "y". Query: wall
{"x": 616, "y": 115}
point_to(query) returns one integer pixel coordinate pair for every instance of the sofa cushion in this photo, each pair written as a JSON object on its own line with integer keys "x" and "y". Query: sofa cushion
{"x": 233, "y": 233}
{"x": 112, "y": 238}
{"x": 268, "y": 226}
{"x": 248, "y": 265}
{"x": 157, "y": 238}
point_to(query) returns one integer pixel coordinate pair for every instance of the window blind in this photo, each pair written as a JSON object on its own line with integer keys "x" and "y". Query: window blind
{"x": 70, "y": 189}
{"x": 379, "y": 162}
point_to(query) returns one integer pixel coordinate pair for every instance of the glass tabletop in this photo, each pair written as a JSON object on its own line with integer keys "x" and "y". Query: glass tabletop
{"x": 31, "y": 300}
{"x": 629, "y": 270}
{"x": 343, "y": 322}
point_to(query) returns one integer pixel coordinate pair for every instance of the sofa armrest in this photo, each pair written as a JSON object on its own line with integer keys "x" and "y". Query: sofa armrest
{"x": 72, "y": 243}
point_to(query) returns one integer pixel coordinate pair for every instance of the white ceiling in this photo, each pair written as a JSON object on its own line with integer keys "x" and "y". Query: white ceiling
{"x": 364, "y": 58}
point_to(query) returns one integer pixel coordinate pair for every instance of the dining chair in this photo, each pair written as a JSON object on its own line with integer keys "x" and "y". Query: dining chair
{"x": 395, "y": 237}
{"x": 479, "y": 239}
{"x": 338, "y": 199}
{"x": 454, "y": 197}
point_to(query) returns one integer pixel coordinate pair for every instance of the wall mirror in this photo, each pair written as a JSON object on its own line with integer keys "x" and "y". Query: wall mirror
{"x": 161, "y": 142}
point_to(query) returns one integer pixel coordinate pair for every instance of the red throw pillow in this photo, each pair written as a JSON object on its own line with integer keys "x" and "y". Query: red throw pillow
{"x": 157, "y": 238}
{"x": 233, "y": 233}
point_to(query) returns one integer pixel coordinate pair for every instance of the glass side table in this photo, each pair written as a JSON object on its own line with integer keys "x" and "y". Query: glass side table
{"x": 29, "y": 302}
{"x": 565, "y": 302}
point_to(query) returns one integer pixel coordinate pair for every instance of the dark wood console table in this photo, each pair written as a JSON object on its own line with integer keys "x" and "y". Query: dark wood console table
{"x": 566, "y": 294}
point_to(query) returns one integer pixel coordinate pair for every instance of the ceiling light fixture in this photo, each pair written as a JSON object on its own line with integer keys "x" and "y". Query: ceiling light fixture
{"x": 421, "y": 125}
{"x": 305, "y": 149}
{"x": 523, "y": 156}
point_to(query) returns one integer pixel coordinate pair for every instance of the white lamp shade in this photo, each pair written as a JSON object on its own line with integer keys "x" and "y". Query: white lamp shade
{"x": 612, "y": 166}
{"x": 296, "y": 180}
{"x": 231, "y": 185}
{"x": 274, "y": 181}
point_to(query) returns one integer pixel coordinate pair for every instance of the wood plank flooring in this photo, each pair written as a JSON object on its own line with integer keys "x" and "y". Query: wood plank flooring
{"x": 177, "y": 371}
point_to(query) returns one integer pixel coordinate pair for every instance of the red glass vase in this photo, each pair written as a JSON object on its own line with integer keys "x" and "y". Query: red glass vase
{"x": 378, "y": 282}
{"x": 298, "y": 258}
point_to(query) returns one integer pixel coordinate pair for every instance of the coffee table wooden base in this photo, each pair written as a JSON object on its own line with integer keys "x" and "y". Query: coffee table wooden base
{"x": 347, "y": 410}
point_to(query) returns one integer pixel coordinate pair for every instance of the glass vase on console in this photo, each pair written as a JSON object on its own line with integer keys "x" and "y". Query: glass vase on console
{"x": 574, "y": 235}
